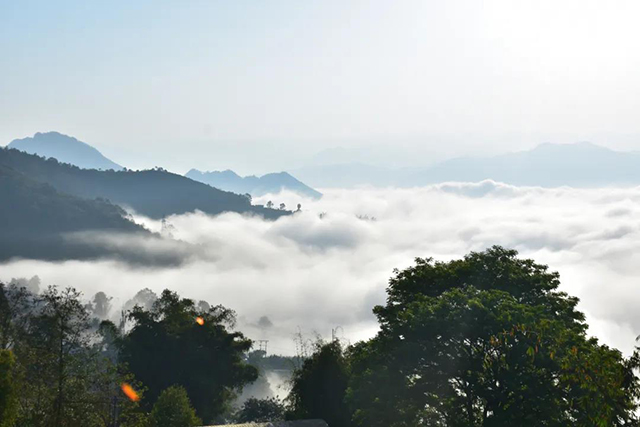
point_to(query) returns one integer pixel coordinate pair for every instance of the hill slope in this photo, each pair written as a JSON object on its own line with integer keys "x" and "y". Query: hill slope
{"x": 35, "y": 218}
{"x": 65, "y": 149}
{"x": 154, "y": 193}
{"x": 256, "y": 186}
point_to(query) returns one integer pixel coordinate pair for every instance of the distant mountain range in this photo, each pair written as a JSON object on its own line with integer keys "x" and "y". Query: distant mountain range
{"x": 65, "y": 149}
{"x": 253, "y": 185}
{"x": 547, "y": 165}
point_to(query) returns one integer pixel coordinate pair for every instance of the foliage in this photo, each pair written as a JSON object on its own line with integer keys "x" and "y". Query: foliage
{"x": 8, "y": 390}
{"x": 260, "y": 411}
{"x": 173, "y": 409}
{"x": 63, "y": 371}
{"x": 260, "y": 360}
{"x": 166, "y": 346}
{"x": 486, "y": 341}
{"x": 319, "y": 386}
{"x": 155, "y": 193}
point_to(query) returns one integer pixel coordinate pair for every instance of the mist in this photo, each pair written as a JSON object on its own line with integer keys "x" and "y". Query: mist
{"x": 328, "y": 265}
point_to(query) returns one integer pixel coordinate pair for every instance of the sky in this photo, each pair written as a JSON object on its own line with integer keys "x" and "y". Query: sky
{"x": 263, "y": 86}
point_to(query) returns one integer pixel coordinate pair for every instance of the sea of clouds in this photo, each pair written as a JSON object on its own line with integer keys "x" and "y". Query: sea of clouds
{"x": 328, "y": 265}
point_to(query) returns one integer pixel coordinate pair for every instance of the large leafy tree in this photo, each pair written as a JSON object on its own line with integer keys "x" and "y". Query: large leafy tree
{"x": 319, "y": 386}
{"x": 487, "y": 340}
{"x": 167, "y": 346}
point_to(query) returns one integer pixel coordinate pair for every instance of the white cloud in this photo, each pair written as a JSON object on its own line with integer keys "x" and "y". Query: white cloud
{"x": 316, "y": 274}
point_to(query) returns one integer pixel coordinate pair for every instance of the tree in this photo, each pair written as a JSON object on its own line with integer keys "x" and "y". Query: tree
{"x": 269, "y": 204}
{"x": 65, "y": 372}
{"x": 260, "y": 411}
{"x": 282, "y": 206}
{"x": 319, "y": 386}
{"x": 57, "y": 358}
{"x": 173, "y": 409}
{"x": 166, "y": 347}
{"x": 101, "y": 305}
{"x": 487, "y": 340}
{"x": 299, "y": 207}
{"x": 8, "y": 390}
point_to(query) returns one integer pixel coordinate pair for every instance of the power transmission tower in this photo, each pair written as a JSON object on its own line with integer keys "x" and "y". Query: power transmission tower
{"x": 262, "y": 345}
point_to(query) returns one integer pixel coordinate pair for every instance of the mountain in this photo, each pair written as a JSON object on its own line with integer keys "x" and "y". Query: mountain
{"x": 65, "y": 149}
{"x": 253, "y": 185}
{"x": 35, "y": 220}
{"x": 547, "y": 165}
{"x": 154, "y": 193}
{"x": 347, "y": 175}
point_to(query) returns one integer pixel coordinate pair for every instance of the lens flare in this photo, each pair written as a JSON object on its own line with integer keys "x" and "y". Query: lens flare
{"x": 130, "y": 392}
{"x": 200, "y": 321}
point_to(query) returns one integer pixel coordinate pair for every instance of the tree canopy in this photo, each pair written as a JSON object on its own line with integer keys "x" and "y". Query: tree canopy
{"x": 487, "y": 340}
{"x": 319, "y": 386}
{"x": 168, "y": 345}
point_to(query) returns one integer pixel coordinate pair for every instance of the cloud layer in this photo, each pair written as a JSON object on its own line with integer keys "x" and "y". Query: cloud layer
{"x": 314, "y": 272}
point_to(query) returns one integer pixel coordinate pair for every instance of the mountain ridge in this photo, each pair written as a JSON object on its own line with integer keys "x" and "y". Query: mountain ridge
{"x": 581, "y": 164}
{"x": 254, "y": 185}
{"x": 65, "y": 149}
{"x": 155, "y": 193}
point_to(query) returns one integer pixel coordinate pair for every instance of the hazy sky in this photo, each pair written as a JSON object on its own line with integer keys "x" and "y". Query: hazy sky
{"x": 266, "y": 85}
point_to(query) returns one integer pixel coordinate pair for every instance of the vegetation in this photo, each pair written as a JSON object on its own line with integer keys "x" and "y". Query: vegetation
{"x": 34, "y": 215}
{"x": 487, "y": 340}
{"x": 319, "y": 387}
{"x": 8, "y": 391}
{"x": 155, "y": 193}
{"x": 483, "y": 341}
{"x": 173, "y": 409}
{"x": 166, "y": 346}
{"x": 260, "y": 411}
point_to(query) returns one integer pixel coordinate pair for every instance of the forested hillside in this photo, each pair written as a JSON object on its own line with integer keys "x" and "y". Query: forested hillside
{"x": 155, "y": 193}
{"x": 34, "y": 217}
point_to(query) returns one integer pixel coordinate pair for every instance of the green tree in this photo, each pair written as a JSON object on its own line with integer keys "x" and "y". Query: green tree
{"x": 66, "y": 370}
{"x": 319, "y": 386}
{"x": 260, "y": 411}
{"x": 8, "y": 390}
{"x": 166, "y": 346}
{"x": 173, "y": 409}
{"x": 488, "y": 341}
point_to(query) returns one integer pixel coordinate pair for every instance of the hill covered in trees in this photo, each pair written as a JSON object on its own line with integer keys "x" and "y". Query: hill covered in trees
{"x": 66, "y": 149}
{"x": 256, "y": 186}
{"x": 35, "y": 218}
{"x": 155, "y": 193}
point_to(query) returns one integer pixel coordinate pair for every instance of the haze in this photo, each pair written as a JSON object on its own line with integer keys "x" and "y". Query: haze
{"x": 265, "y": 86}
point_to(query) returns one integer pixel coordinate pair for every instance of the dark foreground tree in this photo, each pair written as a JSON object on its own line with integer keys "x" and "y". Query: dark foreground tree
{"x": 176, "y": 343}
{"x": 319, "y": 386}
{"x": 8, "y": 390}
{"x": 260, "y": 411}
{"x": 486, "y": 341}
{"x": 173, "y": 409}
